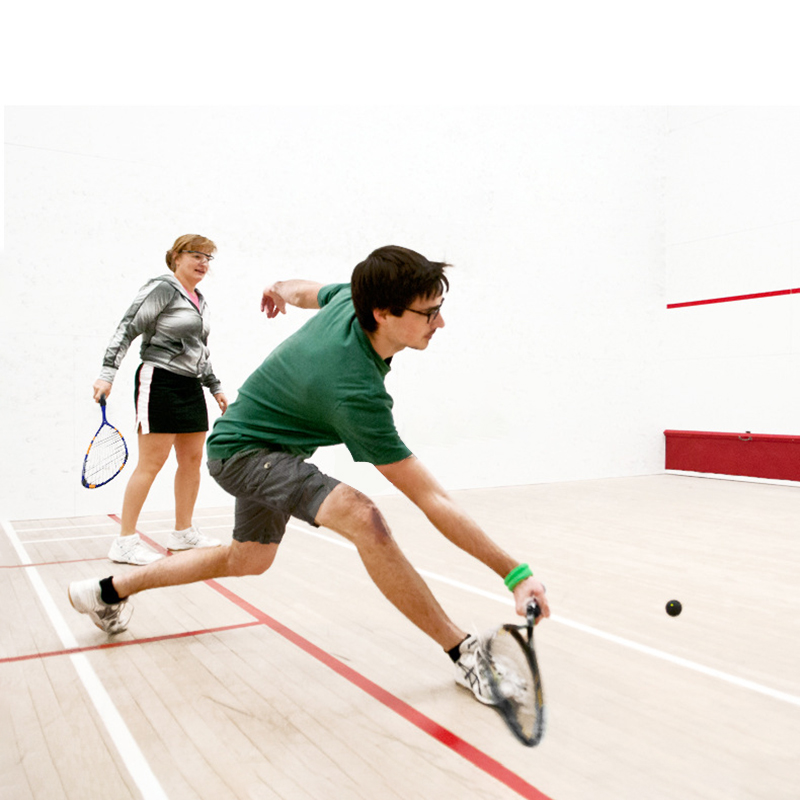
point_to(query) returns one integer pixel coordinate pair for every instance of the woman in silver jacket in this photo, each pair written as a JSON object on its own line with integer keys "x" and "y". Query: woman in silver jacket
{"x": 173, "y": 319}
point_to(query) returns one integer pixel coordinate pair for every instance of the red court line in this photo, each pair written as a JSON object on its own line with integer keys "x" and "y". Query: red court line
{"x": 734, "y": 298}
{"x": 476, "y": 757}
{"x": 128, "y": 642}
{"x": 467, "y": 751}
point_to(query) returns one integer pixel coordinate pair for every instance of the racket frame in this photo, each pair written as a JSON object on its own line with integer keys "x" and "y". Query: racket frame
{"x": 506, "y": 706}
{"x": 105, "y": 423}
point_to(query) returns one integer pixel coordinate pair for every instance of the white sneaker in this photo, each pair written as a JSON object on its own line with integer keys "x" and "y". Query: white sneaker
{"x": 189, "y": 539}
{"x": 85, "y": 597}
{"x": 471, "y": 669}
{"x": 132, "y": 550}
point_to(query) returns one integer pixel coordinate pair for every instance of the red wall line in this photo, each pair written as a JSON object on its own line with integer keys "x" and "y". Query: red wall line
{"x": 734, "y": 298}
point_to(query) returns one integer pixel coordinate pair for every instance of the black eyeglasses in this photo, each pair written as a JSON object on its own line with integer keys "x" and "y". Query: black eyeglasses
{"x": 198, "y": 253}
{"x": 431, "y": 315}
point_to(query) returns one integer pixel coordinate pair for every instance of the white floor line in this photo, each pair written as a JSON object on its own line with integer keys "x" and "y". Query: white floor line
{"x": 71, "y": 538}
{"x": 742, "y": 683}
{"x": 40, "y": 528}
{"x": 129, "y": 751}
{"x": 506, "y": 600}
{"x": 114, "y": 535}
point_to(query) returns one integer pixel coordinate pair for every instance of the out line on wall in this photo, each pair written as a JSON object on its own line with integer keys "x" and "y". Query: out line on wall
{"x": 734, "y": 298}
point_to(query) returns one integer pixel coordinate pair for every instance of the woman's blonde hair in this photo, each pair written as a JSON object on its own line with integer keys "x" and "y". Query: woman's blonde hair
{"x": 189, "y": 241}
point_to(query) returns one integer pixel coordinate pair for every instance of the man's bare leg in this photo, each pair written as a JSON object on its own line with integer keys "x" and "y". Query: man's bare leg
{"x": 354, "y": 516}
{"x": 191, "y": 566}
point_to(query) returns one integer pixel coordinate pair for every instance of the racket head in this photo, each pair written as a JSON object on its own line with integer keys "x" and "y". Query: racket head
{"x": 515, "y": 681}
{"x": 106, "y": 455}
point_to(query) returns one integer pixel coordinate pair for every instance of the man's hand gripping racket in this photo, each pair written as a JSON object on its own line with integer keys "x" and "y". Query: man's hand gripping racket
{"x": 513, "y": 675}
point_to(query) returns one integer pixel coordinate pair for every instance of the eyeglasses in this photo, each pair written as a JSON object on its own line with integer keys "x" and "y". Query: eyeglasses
{"x": 431, "y": 315}
{"x": 198, "y": 253}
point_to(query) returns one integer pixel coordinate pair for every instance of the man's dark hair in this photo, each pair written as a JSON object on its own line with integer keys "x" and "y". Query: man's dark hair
{"x": 392, "y": 278}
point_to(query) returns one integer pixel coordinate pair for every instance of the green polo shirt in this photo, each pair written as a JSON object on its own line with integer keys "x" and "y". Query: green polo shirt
{"x": 324, "y": 385}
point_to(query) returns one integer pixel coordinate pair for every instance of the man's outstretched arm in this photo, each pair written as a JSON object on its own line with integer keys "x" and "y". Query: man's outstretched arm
{"x": 300, "y": 293}
{"x": 414, "y": 480}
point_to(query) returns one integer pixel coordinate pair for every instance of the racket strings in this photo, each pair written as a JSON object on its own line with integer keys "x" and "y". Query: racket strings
{"x": 519, "y": 691}
{"x": 106, "y": 456}
{"x": 511, "y": 667}
{"x": 513, "y": 685}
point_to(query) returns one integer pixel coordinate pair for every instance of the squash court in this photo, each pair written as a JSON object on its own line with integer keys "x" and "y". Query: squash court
{"x": 304, "y": 683}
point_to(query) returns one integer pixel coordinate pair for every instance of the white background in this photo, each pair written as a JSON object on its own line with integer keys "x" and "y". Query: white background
{"x": 733, "y": 228}
{"x": 299, "y": 145}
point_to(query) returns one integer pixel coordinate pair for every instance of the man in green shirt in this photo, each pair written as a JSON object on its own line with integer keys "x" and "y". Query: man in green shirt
{"x": 324, "y": 385}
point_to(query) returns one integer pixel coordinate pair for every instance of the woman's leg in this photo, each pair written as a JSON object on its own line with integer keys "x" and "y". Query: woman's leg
{"x": 153, "y": 452}
{"x": 189, "y": 452}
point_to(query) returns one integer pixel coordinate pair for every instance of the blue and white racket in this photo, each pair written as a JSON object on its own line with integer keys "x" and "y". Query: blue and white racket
{"x": 106, "y": 456}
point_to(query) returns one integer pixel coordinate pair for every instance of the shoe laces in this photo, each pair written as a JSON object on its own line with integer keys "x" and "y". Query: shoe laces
{"x": 190, "y": 535}
{"x": 473, "y": 662}
{"x": 129, "y": 544}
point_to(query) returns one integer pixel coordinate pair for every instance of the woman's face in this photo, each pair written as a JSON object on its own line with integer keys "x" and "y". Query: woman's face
{"x": 191, "y": 266}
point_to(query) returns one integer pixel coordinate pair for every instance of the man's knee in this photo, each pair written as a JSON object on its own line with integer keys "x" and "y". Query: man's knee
{"x": 250, "y": 558}
{"x": 355, "y": 516}
{"x": 376, "y": 527}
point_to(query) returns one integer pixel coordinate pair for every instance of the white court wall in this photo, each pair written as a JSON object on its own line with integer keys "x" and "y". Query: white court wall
{"x": 553, "y": 218}
{"x": 732, "y": 228}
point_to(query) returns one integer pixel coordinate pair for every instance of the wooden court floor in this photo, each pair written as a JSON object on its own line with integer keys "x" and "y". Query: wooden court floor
{"x": 305, "y": 684}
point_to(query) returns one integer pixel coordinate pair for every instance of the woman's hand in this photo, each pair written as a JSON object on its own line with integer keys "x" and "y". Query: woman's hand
{"x": 101, "y": 387}
{"x": 222, "y": 401}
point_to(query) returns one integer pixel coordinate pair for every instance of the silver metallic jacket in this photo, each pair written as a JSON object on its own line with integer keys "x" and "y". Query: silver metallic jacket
{"x": 174, "y": 333}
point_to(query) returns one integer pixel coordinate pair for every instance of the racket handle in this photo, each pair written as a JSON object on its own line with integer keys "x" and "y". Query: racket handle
{"x": 533, "y": 611}
{"x": 102, "y": 399}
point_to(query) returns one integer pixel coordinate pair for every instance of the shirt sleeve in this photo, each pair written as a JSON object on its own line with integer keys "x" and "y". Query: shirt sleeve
{"x": 141, "y": 317}
{"x": 207, "y": 376}
{"x": 210, "y": 380}
{"x": 366, "y": 426}
{"x": 327, "y": 293}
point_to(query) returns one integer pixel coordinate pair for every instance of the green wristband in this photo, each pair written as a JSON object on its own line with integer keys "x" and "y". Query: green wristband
{"x": 517, "y": 575}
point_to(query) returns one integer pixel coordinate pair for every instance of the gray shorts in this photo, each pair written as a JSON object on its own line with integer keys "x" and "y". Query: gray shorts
{"x": 269, "y": 487}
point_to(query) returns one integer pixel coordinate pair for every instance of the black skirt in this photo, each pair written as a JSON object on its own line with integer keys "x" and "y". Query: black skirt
{"x": 168, "y": 403}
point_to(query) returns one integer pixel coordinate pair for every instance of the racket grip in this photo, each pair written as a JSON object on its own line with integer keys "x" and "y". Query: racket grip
{"x": 533, "y": 611}
{"x": 102, "y": 399}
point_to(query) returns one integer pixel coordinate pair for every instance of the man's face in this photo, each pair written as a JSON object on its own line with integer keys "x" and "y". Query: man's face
{"x": 415, "y": 327}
